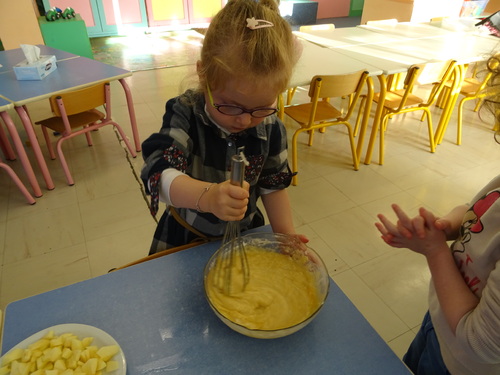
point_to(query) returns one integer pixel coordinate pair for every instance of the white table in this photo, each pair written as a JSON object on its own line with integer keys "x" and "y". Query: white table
{"x": 346, "y": 37}
{"x": 409, "y": 30}
{"x": 407, "y": 44}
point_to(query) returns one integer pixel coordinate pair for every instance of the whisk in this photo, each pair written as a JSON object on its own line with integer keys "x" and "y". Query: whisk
{"x": 231, "y": 267}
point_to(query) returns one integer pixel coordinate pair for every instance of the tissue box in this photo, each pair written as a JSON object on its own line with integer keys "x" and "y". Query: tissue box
{"x": 37, "y": 70}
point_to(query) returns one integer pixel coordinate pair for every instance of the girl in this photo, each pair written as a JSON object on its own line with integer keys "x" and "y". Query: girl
{"x": 246, "y": 61}
{"x": 461, "y": 332}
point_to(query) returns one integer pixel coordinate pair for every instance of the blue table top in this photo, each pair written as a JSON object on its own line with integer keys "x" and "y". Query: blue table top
{"x": 5, "y": 104}
{"x": 12, "y": 57}
{"x": 69, "y": 75}
{"x": 158, "y": 313}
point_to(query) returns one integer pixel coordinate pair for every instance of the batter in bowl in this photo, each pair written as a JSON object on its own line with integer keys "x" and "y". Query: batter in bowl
{"x": 281, "y": 292}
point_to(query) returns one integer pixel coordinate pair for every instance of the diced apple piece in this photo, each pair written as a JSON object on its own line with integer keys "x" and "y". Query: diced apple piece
{"x": 106, "y": 352}
{"x": 90, "y": 367}
{"x": 92, "y": 350}
{"x": 111, "y": 366}
{"x": 41, "y": 344}
{"x": 13, "y": 355}
{"x": 41, "y": 362}
{"x": 76, "y": 344}
{"x": 49, "y": 335}
{"x": 4, "y": 370}
{"x": 66, "y": 353}
{"x": 87, "y": 341}
{"x": 56, "y": 341}
{"x": 26, "y": 355}
{"x": 60, "y": 365}
{"x": 36, "y": 354}
{"x": 55, "y": 354}
{"x": 100, "y": 364}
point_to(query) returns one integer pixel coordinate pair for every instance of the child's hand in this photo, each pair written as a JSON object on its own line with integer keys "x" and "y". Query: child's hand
{"x": 419, "y": 234}
{"x": 301, "y": 237}
{"x": 228, "y": 202}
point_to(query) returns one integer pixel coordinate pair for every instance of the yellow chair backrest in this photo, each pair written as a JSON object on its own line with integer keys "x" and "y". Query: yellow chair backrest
{"x": 335, "y": 86}
{"x": 338, "y": 86}
{"x": 80, "y": 100}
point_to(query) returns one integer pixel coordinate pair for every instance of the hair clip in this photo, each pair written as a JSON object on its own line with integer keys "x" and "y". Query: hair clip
{"x": 254, "y": 24}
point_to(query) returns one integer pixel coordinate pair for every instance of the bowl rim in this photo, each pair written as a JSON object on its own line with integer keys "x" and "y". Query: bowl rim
{"x": 306, "y": 320}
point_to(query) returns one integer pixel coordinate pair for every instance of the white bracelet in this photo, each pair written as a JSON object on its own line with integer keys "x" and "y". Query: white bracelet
{"x": 205, "y": 189}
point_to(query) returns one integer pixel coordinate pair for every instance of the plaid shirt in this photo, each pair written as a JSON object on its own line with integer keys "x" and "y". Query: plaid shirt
{"x": 189, "y": 142}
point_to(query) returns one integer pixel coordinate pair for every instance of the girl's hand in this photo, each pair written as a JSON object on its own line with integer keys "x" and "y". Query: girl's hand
{"x": 301, "y": 237}
{"x": 419, "y": 234}
{"x": 228, "y": 202}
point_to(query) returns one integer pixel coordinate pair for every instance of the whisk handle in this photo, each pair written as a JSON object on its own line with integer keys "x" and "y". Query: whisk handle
{"x": 237, "y": 169}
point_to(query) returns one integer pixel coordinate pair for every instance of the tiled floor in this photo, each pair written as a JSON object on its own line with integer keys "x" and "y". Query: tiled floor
{"x": 75, "y": 233}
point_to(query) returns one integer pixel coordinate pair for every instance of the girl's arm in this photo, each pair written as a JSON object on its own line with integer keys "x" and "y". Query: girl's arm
{"x": 279, "y": 212}
{"x": 451, "y": 222}
{"x": 455, "y": 297}
{"x": 226, "y": 201}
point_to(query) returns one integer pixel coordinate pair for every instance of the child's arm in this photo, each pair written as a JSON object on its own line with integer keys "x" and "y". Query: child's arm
{"x": 226, "y": 201}
{"x": 454, "y": 295}
{"x": 452, "y": 221}
{"x": 279, "y": 212}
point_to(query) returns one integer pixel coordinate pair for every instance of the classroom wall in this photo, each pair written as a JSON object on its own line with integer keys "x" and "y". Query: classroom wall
{"x": 492, "y": 7}
{"x": 410, "y": 10}
{"x": 19, "y": 23}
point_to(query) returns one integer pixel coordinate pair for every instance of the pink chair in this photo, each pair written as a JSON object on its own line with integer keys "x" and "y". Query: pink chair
{"x": 77, "y": 110}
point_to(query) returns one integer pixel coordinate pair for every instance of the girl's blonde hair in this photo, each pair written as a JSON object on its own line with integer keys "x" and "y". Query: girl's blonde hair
{"x": 231, "y": 50}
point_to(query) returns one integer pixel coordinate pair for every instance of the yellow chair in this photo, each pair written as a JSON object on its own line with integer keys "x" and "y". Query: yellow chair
{"x": 320, "y": 113}
{"x": 404, "y": 101}
{"x": 77, "y": 110}
{"x": 472, "y": 88}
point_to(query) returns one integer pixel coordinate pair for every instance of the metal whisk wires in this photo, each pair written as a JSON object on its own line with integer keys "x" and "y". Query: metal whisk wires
{"x": 232, "y": 272}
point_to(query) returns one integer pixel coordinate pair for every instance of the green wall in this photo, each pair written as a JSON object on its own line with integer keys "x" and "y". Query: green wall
{"x": 356, "y": 8}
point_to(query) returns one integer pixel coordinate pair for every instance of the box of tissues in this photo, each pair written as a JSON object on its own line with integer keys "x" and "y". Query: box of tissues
{"x": 35, "y": 67}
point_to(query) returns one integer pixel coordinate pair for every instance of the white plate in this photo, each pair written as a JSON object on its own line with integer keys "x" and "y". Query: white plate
{"x": 101, "y": 338}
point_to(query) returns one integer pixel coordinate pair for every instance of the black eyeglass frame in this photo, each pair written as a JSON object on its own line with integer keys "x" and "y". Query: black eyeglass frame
{"x": 241, "y": 110}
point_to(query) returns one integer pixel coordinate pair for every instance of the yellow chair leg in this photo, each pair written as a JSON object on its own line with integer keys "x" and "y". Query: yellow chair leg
{"x": 358, "y": 117}
{"x": 311, "y": 136}
{"x": 459, "y": 122}
{"x": 430, "y": 129}
{"x": 383, "y": 125}
{"x": 353, "y": 148}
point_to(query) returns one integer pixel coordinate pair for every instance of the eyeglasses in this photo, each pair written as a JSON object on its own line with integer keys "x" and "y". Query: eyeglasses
{"x": 236, "y": 110}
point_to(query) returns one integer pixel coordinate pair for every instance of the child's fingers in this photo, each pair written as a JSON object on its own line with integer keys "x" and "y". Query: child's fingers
{"x": 403, "y": 230}
{"x": 419, "y": 226}
{"x": 402, "y": 216}
{"x": 386, "y": 226}
{"x": 428, "y": 216}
